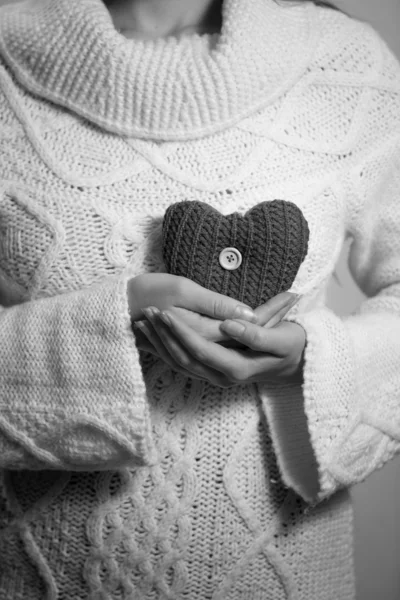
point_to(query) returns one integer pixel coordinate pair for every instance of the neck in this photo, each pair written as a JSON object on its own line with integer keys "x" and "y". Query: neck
{"x": 149, "y": 19}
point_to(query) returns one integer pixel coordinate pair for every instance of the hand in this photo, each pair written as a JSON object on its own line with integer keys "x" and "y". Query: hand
{"x": 187, "y": 300}
{"x": 201, "y": 309}
{"x": 271, "y": 354}
{"x": 268, "y": 314}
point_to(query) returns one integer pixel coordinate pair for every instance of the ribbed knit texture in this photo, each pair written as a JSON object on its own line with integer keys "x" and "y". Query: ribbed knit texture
{"x": 104, "y": 77}
{"x": 122, "y": 480}
{"x": 271, "y": 238}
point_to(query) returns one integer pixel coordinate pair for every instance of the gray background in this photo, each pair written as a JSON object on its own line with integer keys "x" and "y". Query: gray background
{"x": 377, "y": 500}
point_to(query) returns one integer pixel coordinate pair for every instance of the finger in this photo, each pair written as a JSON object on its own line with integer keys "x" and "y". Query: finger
{"x": 184, "y": 362}
{"x": 149, "y": 328}
{"x": 206, "y": 326}
{"x": 163, "y": 351}
{"x": 273, "y": 311}
{"x": 231, "y": 363}
{"x": 237, "y": 366}
{"x": 170, "y": 344}
{"x": 142, "y": 341}
{"x": 276, "y": 341}
{"x": 218, "y": 306}
{"x": 279, "y": 316}
{"x": 154, "y": 341}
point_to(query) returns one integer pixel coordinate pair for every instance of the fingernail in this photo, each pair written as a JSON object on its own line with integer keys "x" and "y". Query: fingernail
{"x": 150, "y": 312}
{"x": 245, "y": 313}
{"x": 165, "y": 318}
{"x": 147, "y": 312}
{"x": 294, "y": 300}
{"x": 233, "y": 328}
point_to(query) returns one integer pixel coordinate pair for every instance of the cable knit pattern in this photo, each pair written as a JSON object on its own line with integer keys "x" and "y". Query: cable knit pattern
{"x": 121, "y": 479}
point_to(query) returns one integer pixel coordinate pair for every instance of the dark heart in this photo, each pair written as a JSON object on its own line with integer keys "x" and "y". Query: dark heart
{"x": 272, "y": 238}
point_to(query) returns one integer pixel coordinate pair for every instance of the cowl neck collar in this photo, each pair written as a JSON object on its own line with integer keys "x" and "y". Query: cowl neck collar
{"x": 69, "y": 52}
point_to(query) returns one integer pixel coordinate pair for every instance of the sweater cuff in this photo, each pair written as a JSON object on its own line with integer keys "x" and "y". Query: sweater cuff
{"x": 72, "y": 388}
{"x": 284, "y": 410}
{"x": 146, "y": 449}
{"x": 308, "y": 422}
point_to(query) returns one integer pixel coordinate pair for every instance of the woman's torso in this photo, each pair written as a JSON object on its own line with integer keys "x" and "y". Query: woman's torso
{"x": 212, "y": 519}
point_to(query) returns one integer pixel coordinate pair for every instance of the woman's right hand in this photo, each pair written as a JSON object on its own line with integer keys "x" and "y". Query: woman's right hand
{"x": 201, "y": 309}
{"x": 186, "y": 298}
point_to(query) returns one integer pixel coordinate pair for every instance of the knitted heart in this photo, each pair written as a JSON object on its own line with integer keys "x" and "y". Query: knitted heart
{"x": 249, "y": 257}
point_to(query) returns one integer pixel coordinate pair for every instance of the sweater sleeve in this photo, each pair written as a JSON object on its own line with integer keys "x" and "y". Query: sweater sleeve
{"x": 345, "y": 421}
{"x": 71, "y": 389}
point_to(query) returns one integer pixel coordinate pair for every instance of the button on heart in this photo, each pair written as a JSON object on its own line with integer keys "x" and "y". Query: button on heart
{"x": 230, "y": 259}
{"x": 250, "y": 257}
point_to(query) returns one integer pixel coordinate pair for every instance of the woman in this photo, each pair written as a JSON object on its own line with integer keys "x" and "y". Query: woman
{"x": 214, "y": 464}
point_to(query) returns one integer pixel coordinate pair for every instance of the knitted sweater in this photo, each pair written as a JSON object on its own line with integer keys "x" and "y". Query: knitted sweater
{"x": 123, "y": 480}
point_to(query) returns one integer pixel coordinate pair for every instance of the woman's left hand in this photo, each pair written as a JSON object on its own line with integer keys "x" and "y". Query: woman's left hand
{"x": 270, "y": 354}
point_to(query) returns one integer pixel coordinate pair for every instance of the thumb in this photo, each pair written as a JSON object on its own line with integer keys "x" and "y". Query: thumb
{"x": 278, "y": 341}
{"x": 272, "y": 312}
{"x": 218, "y": 306}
